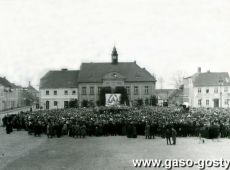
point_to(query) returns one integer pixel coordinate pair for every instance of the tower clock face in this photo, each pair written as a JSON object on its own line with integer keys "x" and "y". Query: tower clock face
{"x": 114, "y": 57}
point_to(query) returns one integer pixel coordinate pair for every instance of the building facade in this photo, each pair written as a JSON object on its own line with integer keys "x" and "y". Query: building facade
{"x": 9, "y": 95}
{"x": 58, "y": 89}
{"x": 137, "y": 81}
{"x": 207, "y": 89}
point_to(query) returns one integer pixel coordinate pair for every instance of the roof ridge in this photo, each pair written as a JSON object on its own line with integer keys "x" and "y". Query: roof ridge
{"x": 64, "y": 70}
{"x": 106, "y": 62}
{"x": 210, "y": 78}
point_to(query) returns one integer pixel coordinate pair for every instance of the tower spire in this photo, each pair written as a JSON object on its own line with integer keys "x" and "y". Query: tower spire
{"x": 114, "y": 56}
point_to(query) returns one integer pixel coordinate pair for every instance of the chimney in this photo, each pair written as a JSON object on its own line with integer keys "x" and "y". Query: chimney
{"x": 64, "y": 69}
{"x": 29, "y": 83}
{"x": 199, "y": 70}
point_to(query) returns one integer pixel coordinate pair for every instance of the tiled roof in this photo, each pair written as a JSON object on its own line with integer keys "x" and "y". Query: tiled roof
{"x": 176, "y": 93}
{"x": 94, "y": 72}
{"x": 4, "y": 82}
{"x": 211, "y": 79}
{"x": 31, "y": 88}
{"x": 60, "y": 79}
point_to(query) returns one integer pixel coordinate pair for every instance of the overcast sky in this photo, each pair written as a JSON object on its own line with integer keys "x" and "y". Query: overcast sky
{"x": 164, "y": 36}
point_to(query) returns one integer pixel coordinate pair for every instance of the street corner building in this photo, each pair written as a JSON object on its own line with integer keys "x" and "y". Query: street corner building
{"x": 87, "y": 85}
{"x": 207, "y": 89}
{"x": 9, "y": 95}
{"x": 13, "y": 96}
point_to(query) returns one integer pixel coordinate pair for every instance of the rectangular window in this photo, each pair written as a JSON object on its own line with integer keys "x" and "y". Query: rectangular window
{"x": 146, "y": 89}
{"x": 207, "y": 102}
{"x": 83, "y": 90}
{"x": 55, "y": 92}
{"x": 99, "y": 90}
{"x": 225, "y": 89}
{"x": 199, "y": 90}
{"x": 226, "y": 101}
{"x": 55, "y": 103}
{"x": 128, "y": 90}
{"x": 135, "y": 90}
{"x": 216, "y": 90}
{"x": 199, "y": 102}
{"x": 47, "y": 92}
{"x": 66, "y": 92}
{"x": 73, "y": 92}
{"x": 207, "y": 90}
{"x": 91, "y": 91}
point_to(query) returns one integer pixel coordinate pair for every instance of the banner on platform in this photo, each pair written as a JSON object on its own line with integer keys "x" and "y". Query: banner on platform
{"x": 112, "y": 99}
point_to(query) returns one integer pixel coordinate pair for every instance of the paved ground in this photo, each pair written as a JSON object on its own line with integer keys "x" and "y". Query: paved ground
{"x": 16, "y": 145}
{"x": 18, "y": 151}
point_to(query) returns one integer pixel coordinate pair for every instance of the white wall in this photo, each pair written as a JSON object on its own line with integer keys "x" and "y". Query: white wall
{"x": 211, "y": 96}
{"x": 132, "y": 97}
{"x": 60, "y": 97}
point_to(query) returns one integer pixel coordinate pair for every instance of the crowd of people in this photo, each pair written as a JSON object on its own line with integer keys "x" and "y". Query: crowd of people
{"x": 103, "y": 121}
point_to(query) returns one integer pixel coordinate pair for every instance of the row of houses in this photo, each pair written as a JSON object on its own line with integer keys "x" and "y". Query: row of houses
{"x": 62, "y": 88}
{"x": 59, "y": 88}
{"x": 202, "y": 89}
{"x": 13, "y": 96}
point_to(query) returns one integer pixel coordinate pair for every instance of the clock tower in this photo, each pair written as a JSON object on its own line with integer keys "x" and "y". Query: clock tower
{"x": 114, "y": 56}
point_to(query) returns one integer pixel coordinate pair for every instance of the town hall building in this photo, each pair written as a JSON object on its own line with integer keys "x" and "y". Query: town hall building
{"x": 92, "y": 77}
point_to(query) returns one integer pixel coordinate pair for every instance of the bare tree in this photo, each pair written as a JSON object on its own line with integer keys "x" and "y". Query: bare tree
{"x": 177, "y": 78}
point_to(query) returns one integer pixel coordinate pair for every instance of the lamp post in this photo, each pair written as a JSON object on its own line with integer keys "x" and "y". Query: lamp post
{"x": 221, "y": 82}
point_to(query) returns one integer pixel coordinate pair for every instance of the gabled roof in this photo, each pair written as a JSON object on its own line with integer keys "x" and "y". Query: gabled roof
{"x": 94, "y": 72}
{"x": 211, "y": 79}
{"x": 60, "y": 79}
{"x": 31, "y": 88}
{"x": 176, "y": 93}
{"x": 4, "y": 82}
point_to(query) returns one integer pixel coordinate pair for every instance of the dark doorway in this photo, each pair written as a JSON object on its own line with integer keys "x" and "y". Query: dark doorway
{"x": 216, "y": 102}
{"x": 47, "y": 105}
{"x": 66, "y": 104}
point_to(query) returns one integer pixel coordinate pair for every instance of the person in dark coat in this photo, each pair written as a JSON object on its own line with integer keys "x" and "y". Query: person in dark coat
{"x": 129, "y": 131}
{"x": 9, "y": 127}
{"x": 147, "y": 131}
{"x": 152, "y": 131}
{"x": 77, "y": 130}
{"x": 49, "y": 130}
{"x": 83, "y": 131}
{"x": 59, "y": 130}
{"x": 123, "y": 129}
{"x": 168, "y": 136}
{"x": 134, "y": 131}
{"x": 30, "y": 127}
{"x": 37, "y": 128}
{"x": 4, "y": 120}
{"x": 64, "y": 129}
{"x": 174, "y": 133}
